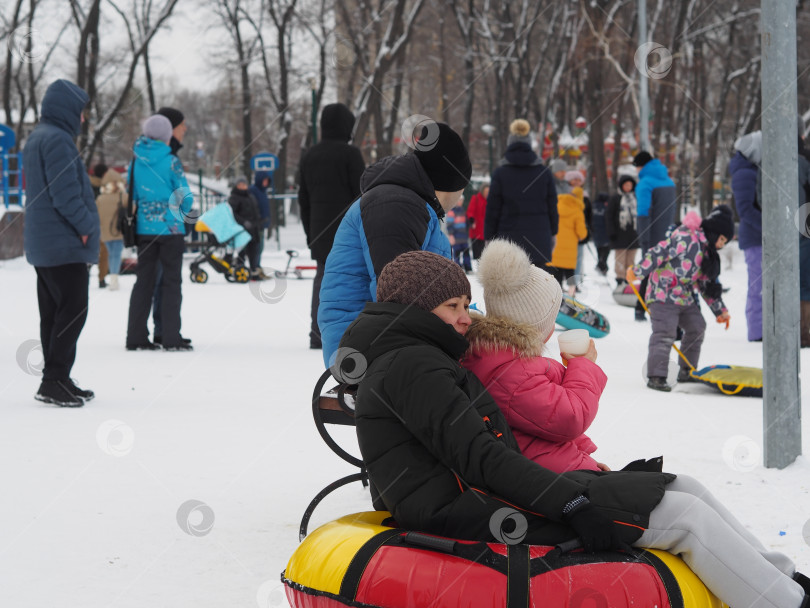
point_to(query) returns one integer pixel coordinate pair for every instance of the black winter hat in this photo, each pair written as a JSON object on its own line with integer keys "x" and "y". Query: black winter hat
{"x": 642, "y": 158}
{"x": 337, "y": 122}
{"x": 719, "y": 221}
{"x": 422, "y": 279}
{"x": 443, "y": 157}
{"x": 627, "y": 178}
{"x": 175, "y": 116}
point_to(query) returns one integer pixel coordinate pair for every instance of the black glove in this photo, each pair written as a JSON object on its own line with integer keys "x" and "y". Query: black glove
{"x": 597, "y": 532}
{"x": 655, "y": 465}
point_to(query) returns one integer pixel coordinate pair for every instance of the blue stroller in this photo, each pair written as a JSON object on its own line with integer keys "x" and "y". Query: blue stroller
{"x": 224, "y": 237}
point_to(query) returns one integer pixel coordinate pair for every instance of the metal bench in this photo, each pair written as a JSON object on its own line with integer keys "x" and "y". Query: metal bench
{"x": 333, "y": 407}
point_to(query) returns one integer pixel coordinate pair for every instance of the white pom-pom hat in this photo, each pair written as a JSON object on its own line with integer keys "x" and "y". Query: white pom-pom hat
{"x": 517, "y": 290}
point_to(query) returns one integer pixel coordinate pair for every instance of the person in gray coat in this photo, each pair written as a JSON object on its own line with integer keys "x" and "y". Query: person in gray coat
{"x": 61, "y": 235}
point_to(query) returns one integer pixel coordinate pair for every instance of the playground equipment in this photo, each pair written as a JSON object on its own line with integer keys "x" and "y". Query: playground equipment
{"x": 11, "y": 179}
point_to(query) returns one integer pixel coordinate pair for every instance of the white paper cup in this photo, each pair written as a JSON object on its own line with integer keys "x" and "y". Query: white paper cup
{"x": 574, "y": 341}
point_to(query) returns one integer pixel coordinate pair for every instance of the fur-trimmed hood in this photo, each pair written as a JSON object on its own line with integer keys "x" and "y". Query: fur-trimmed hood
{"x": 496, "y": 333}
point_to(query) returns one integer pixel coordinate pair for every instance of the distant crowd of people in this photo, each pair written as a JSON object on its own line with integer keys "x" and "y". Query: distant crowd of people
{"x": 543, "y": 208}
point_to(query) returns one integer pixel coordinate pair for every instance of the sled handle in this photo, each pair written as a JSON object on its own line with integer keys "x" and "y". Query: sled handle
{"x": 725, "y": 392}
{"x": 677, "y": 350}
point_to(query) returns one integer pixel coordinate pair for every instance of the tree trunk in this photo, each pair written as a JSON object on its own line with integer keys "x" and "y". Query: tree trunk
{"x": 150, "y": 89}
{"x": 88, "y": 63}
{"x": 10, "y": 60}
{"x": 596, "y": 138}
{"x": 464, "y": 20}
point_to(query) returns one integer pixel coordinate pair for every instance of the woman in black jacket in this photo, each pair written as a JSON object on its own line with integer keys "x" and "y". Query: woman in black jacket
{"x": 440, "y": 452}
{"x": 620, "y": 221}
{"x": 246, "y": 213}
{"x": 522, "y": 201}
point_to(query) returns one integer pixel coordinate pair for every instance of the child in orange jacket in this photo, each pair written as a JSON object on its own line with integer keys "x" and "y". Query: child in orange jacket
{"x": 572, "y": 229}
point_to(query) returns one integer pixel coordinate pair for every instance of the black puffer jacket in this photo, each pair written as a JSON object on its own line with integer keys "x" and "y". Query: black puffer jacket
{"x": 439, "y": 450}
{"x": 245, "y": 209}
{"x": 329, "y": 180}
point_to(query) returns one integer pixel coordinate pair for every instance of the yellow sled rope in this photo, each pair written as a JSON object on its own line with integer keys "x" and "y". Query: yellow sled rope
{"x": 677, "y": 350}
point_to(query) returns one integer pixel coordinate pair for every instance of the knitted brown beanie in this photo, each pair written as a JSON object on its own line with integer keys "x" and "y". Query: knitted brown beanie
{"x": 423, "y": 279}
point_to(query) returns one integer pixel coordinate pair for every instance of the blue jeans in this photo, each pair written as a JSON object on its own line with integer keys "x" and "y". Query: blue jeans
{"x": 461, "y": 255}
{"x": 114, "y": 249}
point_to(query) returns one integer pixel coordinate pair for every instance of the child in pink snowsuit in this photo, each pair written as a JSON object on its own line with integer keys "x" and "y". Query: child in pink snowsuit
{"x": 677, "y": 267}
{"x": 548, "y": 406}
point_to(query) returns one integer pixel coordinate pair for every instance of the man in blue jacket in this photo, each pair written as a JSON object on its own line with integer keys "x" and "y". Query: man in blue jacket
{"x": 61, "y": 237}
{"x": 403, "y": 201}
{"x": 656, "y": 206}
{"x": 655, "y": 200}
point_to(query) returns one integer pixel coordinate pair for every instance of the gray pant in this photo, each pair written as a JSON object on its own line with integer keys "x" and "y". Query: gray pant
{"x": 692, "y": 524}
{"x": 665, "y": 318}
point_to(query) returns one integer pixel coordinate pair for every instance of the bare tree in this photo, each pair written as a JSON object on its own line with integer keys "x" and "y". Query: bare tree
{"x": 465, "y": 19}
{"x": 315, "y": 24}
{"x": 281, "y": 14}
{"x": 87, "y": 22}
{"x": 10, "y": 30}
{"x": 138, "y": 43}
{"x": 233, "y": 13}
{"x": 379, "y": 39}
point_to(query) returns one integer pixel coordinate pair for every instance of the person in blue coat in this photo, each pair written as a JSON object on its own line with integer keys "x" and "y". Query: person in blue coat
{"x": 403, "y": 201}
{"x": 655, "y": 200}
{"x": 656, "y": 207}
{"x": 163, "y": 201}
{"x": 522, "y": 201}
{"x": 744, "y": 170}
{"x": 61, "y": 237}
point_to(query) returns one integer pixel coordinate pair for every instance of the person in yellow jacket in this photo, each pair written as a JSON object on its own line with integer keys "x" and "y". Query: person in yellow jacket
{"x": 572, "y": 229}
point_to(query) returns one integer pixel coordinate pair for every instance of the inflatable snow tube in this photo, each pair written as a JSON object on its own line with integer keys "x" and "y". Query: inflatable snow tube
{"x": 624, "y": 295}
{"x": 358, "y": 561}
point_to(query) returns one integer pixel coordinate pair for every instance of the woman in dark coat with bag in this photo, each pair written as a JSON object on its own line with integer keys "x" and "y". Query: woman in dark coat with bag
{"x": 438, "y": 448}
{"x": 246, "y": 213}
{"x": 620, "y": 222}
{"x": 522, "y": 201}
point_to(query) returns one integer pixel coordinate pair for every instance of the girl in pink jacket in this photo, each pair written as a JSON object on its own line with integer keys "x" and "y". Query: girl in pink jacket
{"x": 548, "y": 406}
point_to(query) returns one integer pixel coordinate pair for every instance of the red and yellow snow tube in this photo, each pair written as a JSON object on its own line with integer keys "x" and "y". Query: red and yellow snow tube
{"x": 357, "y": 561}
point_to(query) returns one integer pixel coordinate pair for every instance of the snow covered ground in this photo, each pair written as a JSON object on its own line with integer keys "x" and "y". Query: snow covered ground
{"x": 95, "y": 504}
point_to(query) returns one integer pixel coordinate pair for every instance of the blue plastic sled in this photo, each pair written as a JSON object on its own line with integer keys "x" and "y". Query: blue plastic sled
{"x": 575, "y": 315}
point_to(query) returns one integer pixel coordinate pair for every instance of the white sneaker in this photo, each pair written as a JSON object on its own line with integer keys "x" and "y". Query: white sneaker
{"x": 113, "y": 278}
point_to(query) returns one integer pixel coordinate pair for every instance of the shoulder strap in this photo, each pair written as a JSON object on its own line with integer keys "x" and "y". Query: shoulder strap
{"x": 131, "y": 187}
{"x": 115, "y": 218}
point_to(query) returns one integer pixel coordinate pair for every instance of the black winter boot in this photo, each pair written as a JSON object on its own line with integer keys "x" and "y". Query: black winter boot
{"x": 82, "y": 394}
{"x": 659, "y": 384}
{"x": 57, "y": 393}
{"x": 803, "y": 581}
